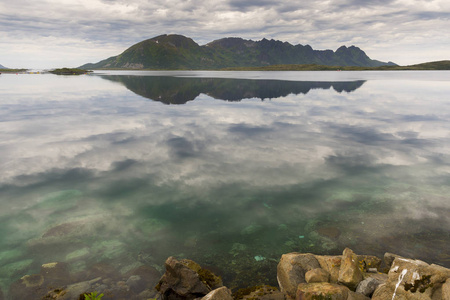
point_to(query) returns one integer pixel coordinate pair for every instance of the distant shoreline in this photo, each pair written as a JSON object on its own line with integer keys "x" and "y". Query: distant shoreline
{"x": 430, "y": 66}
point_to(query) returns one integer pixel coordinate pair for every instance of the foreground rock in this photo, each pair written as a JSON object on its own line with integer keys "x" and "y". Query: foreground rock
{"x": 352, "y": 276}
{"x": 301, "y": 276}
{"x": 185, "y": 279}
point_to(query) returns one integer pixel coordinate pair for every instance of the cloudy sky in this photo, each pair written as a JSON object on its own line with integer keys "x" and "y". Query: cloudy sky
{"x": 56, "y": 33}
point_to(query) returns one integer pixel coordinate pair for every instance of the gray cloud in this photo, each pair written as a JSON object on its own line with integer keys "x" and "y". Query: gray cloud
{"x": 90, "y": 31}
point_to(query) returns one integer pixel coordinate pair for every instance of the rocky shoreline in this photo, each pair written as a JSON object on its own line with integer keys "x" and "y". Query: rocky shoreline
{"x": 301, "y": 276}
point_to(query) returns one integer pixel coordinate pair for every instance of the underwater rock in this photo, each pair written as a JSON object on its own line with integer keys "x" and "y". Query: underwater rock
{"x": 329, "y": 232}
{"x": 142, "y": 278}
{"x": 291, "y": 270}
{"x": 56, "y": 274}
{"x": 350, "y": 274}
{"x": 103, "y": 270}
{"x": 317, "y": 275}
{"x": 413, "y": 279}
{"x": 222, "y": 293}
{"x": 185, "y": 279}
{"x": 73, "y": 291}
{"x": 27, "y": 287}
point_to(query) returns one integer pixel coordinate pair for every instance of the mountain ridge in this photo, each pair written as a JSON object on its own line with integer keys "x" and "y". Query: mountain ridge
{"x": 179, "y": 52}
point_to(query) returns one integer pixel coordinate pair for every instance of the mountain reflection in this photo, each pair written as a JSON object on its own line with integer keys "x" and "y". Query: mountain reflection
{"x": 179, "y": 90}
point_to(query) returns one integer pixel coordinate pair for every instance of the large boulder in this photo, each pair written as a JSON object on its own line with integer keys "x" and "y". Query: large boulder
{"x": 185, "y": 279}
{"x": 413, "y": 279}
{"x": 291, "y": 271}
{"x": 350, "y": 273}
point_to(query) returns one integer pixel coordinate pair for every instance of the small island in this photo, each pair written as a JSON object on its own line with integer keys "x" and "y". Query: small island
{"x": 69, "y": 71}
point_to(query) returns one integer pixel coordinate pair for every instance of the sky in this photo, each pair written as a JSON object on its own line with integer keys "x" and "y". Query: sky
{"x": 68, "y": 33}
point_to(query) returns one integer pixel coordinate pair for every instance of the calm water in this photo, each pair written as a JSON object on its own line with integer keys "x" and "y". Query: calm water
{"x": 229, "y": 169}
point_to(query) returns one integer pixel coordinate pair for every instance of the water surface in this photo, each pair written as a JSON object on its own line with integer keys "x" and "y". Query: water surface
{"x": 231, "y": 169}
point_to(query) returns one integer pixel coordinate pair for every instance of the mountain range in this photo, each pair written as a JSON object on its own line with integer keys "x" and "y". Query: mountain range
{"x": 180, "y": 52}
{"x": 2, "y": 67}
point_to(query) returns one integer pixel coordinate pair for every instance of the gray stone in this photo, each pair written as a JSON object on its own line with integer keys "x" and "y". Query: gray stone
{"x": 222, "y": 293}
{"x": 291, "y": 271}
{"x": 317, "y": 275}
{"x": 350, "y": 274}
{"x": 368, "y": 286}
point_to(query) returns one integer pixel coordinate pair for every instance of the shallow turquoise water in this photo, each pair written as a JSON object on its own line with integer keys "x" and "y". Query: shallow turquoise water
{"x": 100, "y": 168}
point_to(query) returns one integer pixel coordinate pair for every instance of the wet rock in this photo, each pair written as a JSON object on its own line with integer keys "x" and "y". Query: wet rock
{"x": 185, "y": 279}
{"x": 222, "y": 293}
{"x": 56, "y": 274}
{"x": 413, "y": 279}
{"x": 291, "y": 271}
{"x": 368, "y": 286}
{"x": 350, "y": 274}
{"x": 317, "y": 275}
{"x": 323, "y": 290}
{"x": 331, "y": 264}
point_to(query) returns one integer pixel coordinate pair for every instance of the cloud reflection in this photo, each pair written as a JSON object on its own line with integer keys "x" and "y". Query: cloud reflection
{"x": 147, "y": 176}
